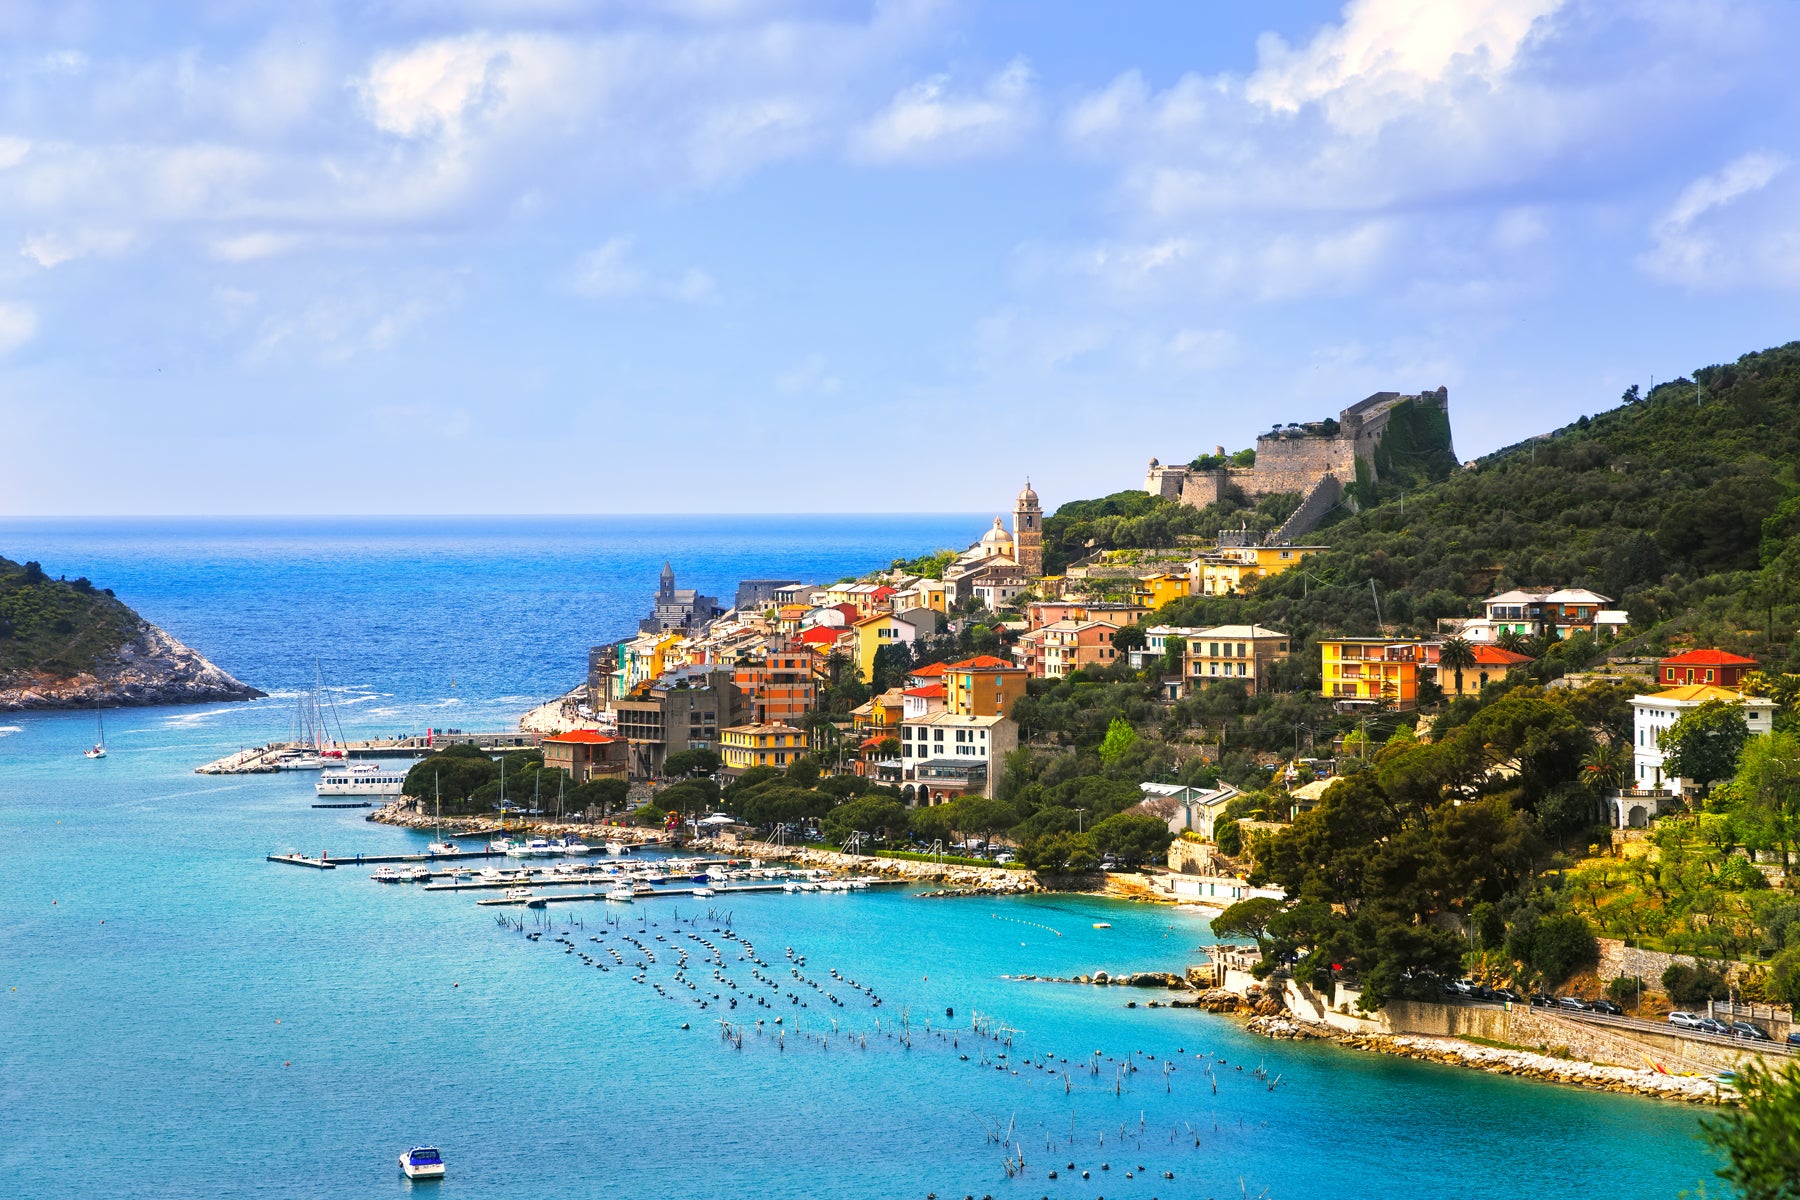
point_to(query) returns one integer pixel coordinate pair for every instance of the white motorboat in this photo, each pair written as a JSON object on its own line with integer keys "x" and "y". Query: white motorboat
{"x": 540, "y": 848}
{"x": 422, "y": 1162}
{"x": 514, "y": 849}
{"x": 790, "y": 886}
{"x": 574, "y": 846}
{"x": 359, "y": 779}
{"x": 620, "y": 894}
{"x": 385, "y": 875}
{"x": 642, "y": 889}
{"x": 443, "y": 848}
{"x": 617, "y": 849}
{"x": 704, "y": 891}
{"x": 414, "y": 875}
{"x": 517, "y": 893}
{"x": 492, "y": 874}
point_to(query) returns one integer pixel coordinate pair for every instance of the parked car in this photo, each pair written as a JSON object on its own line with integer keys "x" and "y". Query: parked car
{"x": 1745, "y": 1029}
{"x": 1463, "y": 987}
{"x": 1574, "y": 1002}
{"x": 1540, "y": 1000}
{"x": 1709, "y": 1025}
{"x": 1685, "y": 1020}
{"x": 1506, "y": 994}
{"x": 1605, "y": 1006}
{"x": 1794, "y": 1037}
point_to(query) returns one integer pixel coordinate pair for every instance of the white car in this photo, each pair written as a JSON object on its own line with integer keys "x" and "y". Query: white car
{"x": 1685, "y": 1020}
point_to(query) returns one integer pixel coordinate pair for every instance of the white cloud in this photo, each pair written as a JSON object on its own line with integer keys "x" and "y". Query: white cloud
{"x": 18, "y": 325}
{"x": 609, "y": 273}
{"x": 1200, "y": 349}
{"x": 55, "y": 247}
{"x": 809, "y": 377}
{"x": 1735, "y": 227}
{"x": 333, "y": 329}
{"x": 13, "y": 151}
{"x": 929, "y": 122}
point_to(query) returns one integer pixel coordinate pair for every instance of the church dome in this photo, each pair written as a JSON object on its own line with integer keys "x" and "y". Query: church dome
{"x": 997, "y": 539}
{"x": 1028, "y": 498}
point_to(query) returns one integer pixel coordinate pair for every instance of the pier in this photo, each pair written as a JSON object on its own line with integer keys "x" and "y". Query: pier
{"x": 734, "y": 890}
{"x": 266, "y": 760}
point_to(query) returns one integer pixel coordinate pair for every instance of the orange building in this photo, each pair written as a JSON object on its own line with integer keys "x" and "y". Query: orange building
{"x": 983, "y": 686}
{"x": 1705, "y": 666}
{"x": 780, "y": 688}
{"x": 587, "y": 754}
{"x": 1370, "y": 671}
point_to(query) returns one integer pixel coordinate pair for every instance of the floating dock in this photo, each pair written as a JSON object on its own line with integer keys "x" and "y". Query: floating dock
{"x": 266, "y": 760}
{"x": 576, "y": 897}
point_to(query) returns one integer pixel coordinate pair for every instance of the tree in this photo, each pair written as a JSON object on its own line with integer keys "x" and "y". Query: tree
{"x": 1784, "y": 977}
{"x": 1511, "y": 640}
{"x": 979, "y": 815}
{"x": 691, "y": 762}
{"x": 1129, "y": 638}
{"x": 1120, "y": 736}
{"x": 1694, "y": 985}
{"x": 875, "y": 815}
{"x": 1558, "y": 946}
{"x": 604, "y": 794}
{"x": 1132, "y": 837}
{"x": 1604, "y": 769}
{"x": 649, "y": 815}
{"x": 1247, "y": 919}
{"x": 1704, "y": 743}
{"x": 1456, "y": 656}
{"x": 1064, "y": 850}
{"x": 804, "y": 771}
{"x": 1761, "y": 1137}
{"x": 1766, "y": 791}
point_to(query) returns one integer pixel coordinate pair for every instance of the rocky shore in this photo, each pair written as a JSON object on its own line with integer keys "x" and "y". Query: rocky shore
{"x": 960, "y": 880}
{"x": 409, "y": 814}
{"x": 151, "y": 668}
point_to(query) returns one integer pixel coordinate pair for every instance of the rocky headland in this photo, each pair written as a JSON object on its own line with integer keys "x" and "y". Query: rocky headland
{"x": 150, "y": 668}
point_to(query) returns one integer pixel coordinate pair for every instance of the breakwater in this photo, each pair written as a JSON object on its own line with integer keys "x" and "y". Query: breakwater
{"x": 960, "y": 878}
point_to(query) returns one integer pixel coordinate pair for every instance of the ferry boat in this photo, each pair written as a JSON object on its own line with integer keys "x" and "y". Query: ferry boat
{"x": 359, "y": 779}
{"x": 414, "y": 875}
{"x": 422, "y": 1162}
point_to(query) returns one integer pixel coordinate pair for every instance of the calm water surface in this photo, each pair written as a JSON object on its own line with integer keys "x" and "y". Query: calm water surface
{"x": 180, "y": 1018}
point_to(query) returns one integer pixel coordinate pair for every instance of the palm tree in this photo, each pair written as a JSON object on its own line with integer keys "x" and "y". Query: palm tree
{"x": 1510, "y": 640}
{"x": 1603, "y": 768}
{"x": 1456, "y": 656}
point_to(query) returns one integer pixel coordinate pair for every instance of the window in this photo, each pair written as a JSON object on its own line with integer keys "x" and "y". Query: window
{"x": 1709, "y": 675}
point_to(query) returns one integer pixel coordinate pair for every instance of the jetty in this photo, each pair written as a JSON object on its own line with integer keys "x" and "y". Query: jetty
{"x": 266, "y": 760}
{"x": 688, "y": 892}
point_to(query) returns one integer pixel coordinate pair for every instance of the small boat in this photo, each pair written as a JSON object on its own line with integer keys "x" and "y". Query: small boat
{"x": 99, "y": 747}
{"x": 1102, "y": 924}
{"x": 517, "y": 893}
{"x": 501, "y": 846}
{"x": 540, "y": 847}
{"x": 414, "y": 875}
{"x": 704, "y": 891}
{"x": 620, "y": 894}
{"x": 574, "y": 846}
{"x": 790, "y": 886}
{"x": 422, "y": 1162}
{"x": 617, "y": 849}
{"x": 385, "y": 875}
{"x": 517, "y": 849}
{"x": 642, "y": 889}
{"x": 442, "y": 848}
{"x": 492, "y": 874}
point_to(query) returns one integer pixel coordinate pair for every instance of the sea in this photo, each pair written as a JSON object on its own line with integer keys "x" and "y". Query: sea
{"x": 181, "y": 1018}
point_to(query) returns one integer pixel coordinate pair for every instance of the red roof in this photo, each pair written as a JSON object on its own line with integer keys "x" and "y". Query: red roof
{"x": 1709, "y": 658}
{"x": 821, "y": 635}
{"x": 592, "y": 737}
{"x": 931, "y": 671}
{"x": 1494, "y": 656}
{"x": 981, "y": 662}
{"x": 883, "y": 592}
{"x": 929, "y": 693}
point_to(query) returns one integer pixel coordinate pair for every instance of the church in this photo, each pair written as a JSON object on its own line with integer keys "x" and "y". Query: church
{"x": 678, "y": 608}
{"x": 1002, "y": 564}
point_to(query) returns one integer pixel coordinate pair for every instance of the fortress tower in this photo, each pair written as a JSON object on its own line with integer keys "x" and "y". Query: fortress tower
{"x": 1028, "y": 533}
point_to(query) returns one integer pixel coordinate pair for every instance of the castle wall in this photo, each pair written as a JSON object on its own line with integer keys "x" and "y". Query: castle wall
{"x": 1296, "y": 464}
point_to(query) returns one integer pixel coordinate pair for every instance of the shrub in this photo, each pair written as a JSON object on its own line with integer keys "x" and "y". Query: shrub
{"x": 650, "y": 815}
{"x": 1230, "y": 839}
{"x": 1625, "y": 990}
{"x": 1694, "y": 985}
{"x": 1784, "y": 977}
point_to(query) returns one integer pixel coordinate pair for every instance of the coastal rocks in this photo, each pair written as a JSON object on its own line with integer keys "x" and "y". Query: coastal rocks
{"x": 1282, "y": 1027}
{"x": 961, "y": 880}
{"x": 151, "y": 668}
{"x": 1219, "y": 1000}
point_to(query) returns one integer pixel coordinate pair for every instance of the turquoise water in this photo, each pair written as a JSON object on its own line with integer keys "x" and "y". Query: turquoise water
{"x": 180, "y": 1018}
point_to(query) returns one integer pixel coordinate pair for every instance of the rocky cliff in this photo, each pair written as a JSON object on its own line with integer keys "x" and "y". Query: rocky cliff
{"x": 150, "y": 668}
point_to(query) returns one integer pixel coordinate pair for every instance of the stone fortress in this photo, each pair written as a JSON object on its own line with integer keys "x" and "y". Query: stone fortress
{"x": 1314, "y": 461}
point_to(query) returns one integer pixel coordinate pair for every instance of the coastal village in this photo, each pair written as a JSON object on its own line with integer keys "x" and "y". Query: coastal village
{"x": 901, "y": 722}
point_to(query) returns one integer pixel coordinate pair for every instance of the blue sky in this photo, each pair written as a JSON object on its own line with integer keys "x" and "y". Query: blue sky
{"x": 517, "y": 256}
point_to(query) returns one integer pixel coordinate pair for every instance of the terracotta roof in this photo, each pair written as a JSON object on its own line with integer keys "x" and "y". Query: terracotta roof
{"x": 822, "y": 635}
{"x": 981, "y": 662}
{"x": 586, "y": 736}
{"x": 1698, "y": 692}
{"x": 931, "y": 671}
{"x": 1494, "y": 656}
{"x": 1709, "y": 658}
{"x": 929, "y": 693}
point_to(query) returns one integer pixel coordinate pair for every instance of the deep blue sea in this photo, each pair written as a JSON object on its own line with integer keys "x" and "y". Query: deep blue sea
{"x": 180, "y": 1018}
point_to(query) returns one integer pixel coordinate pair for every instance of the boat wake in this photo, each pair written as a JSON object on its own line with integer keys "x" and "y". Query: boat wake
{"x": 6, "y": 729}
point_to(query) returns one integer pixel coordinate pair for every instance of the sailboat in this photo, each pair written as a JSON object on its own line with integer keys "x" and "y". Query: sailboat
{"x": 99, "y": 747}
{"x": 440, "y": 846}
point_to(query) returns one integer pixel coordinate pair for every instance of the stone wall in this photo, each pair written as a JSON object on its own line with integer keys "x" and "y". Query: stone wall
{"x": 1617, "y": 959}
{"x": 1191, "y": 858}
{"x": 1321, "y": 500}
{"x": 1201, "y": 488}
{"x": 1297, "y": 463}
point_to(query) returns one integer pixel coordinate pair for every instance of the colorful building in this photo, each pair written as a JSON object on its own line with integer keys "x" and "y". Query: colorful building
{"x": 1055, "y": 650}
{"x": 1227, "y": 570}
{"x": 779, "y": 688}
{"x": 1370, "y": 671}
{"x": 1491, "y": 664}
{"x": 585, "y": 754}
{"x": 983, "y": 686}
{"x": 1651, "y": 717}
{"x": 1042, "y": 613}
{"x": 763, "y": 745}
{"x": 1240, "y": 654}
{"x": 1705, "y": 666}
{"x": 946, "y": 755}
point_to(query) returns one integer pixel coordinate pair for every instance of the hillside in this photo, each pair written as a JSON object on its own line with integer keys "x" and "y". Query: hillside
{"x": 1682, "y": 505}
{"x": 68, "y": 644}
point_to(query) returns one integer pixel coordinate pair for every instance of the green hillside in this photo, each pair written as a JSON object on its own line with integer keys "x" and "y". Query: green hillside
{"x": 1681, "y": 505}
{"x": 60, "y": 626}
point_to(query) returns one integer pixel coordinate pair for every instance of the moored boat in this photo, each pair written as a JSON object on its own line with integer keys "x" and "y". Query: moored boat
{"x": 422, "y": 1162}
{"x": 385, "y": 875}
{"x": 620, "y": 894}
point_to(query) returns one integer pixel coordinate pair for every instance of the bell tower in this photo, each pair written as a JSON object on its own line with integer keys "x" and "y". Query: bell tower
{"x": 1028, "y": 533}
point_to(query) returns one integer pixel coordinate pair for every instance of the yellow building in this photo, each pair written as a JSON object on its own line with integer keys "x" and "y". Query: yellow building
{"x": 1158, "y": 590}
{"x": 771, "y": 745}
{"x": 872, "y": 633}
{"x": 1226, "y": 571}
{"x": 1370, "y": 671}
{"x": 926, "y": 593}
{"x": 983, "y": 686}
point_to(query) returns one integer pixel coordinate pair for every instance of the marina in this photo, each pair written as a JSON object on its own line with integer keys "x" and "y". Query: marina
{"x": 303, "y": 755}
{"x": 690, "y": 893}
{"x": 326, "y": 862}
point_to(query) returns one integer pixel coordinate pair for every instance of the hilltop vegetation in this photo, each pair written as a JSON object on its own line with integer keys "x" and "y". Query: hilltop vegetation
{"x": 1682, "y": 505}
{"x": 63, "y": 627}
